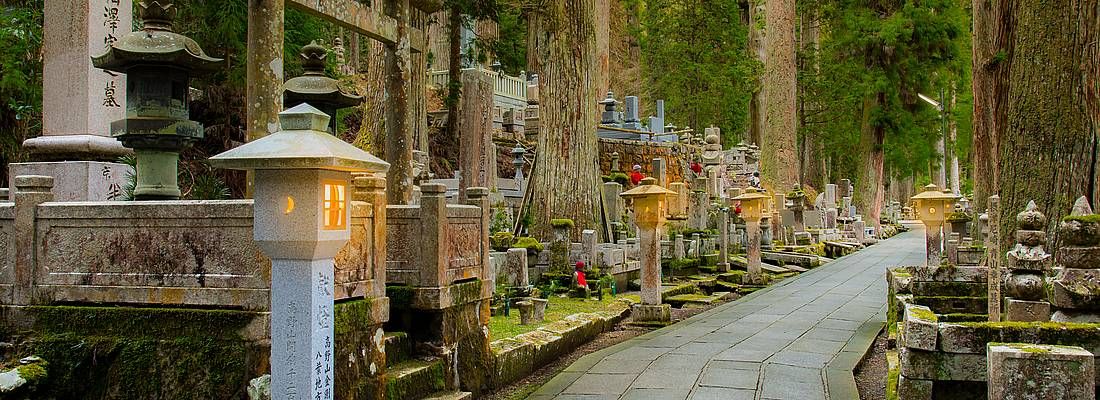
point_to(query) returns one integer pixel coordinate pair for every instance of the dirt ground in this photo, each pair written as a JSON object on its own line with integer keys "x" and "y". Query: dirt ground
{"x": 871, "y": 373}
{"x": 622, "y": 332}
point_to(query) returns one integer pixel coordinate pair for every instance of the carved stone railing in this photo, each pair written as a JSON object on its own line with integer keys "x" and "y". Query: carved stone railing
{"x": 508, "y": 90}
{"x": 163, "y": 253}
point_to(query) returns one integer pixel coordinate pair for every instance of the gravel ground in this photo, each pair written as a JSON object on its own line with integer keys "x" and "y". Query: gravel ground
{"x": 623, "y": 331}
{"x": 871, "y": 374}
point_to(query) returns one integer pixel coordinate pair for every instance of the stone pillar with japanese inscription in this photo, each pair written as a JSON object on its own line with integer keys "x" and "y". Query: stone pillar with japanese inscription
{"x": 79, "y": 102}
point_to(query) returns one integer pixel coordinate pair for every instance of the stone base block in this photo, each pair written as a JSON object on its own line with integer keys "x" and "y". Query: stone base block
{"x": 1026, "y": 311}
{"x": 651, "y": 313}
{"x": 1076, "y": 316}
{"x": 1025, "y": 371}
{"x": 78, "y": 180}
{"x": 914, "y": 389}
{"x": 74, "y": 147}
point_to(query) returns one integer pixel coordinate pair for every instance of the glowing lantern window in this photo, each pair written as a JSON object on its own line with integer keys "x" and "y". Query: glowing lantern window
{"x": 334, "y": 206}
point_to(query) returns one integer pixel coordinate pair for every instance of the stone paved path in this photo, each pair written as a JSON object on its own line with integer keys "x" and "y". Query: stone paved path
{"x": 799, "y": 339}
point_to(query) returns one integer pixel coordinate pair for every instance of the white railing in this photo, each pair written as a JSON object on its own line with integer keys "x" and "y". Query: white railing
{"x": 509, "y": 87}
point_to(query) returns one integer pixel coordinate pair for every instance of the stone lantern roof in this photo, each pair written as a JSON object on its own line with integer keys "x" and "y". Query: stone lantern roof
{"x": 647, "y": 187}
{"x": 933, "y": 192}
{"x": 750, "y": 194}
{"x": 155, "y": 44}
{"x": 302, "y": 143}
{"x": 314, "y": 86}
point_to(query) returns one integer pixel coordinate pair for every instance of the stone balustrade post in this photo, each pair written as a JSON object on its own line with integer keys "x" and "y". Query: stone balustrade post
{"x": 433, "y": 230}
{"x": 372, "y": 189}
{"x": 479, "y": 196}
{"x": 30, "y": 191}
{"x": 724, "y": 239}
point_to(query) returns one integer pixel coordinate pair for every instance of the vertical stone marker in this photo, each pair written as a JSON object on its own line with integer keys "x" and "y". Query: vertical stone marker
{"x": 79, "y": 102}
{"x": 993, "y": 257}
{"x": 1019, "y": 371}
{"x": 650, "y": 210}
{"x": 302, "y": 217}
{"x": 1027, "y": 264}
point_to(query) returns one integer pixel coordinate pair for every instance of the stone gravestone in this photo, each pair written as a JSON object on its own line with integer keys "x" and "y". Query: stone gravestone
{"x": 515, "y": 267}
{"x": 830, "y": 196}
{"x": 79, "y": 102}
{"x": 630, "y": 113}
{"x": 1019, "y": 371}
{"x": 1027, "y": 263}
{"x": 657, "y": 124}
{"x": 1072, "y": 291}
{"x": 659, "y": 171}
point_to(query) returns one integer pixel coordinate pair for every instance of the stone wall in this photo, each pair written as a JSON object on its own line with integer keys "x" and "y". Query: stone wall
{"x": 642, "y": 153}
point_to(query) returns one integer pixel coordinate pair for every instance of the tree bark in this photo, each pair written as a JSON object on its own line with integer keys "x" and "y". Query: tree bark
{"x": 453, "y": 93}
{"x": 813, "y": 153}
{"x": 779, "y": 154}
{"x": 953, "y": 146}
{"x": 566, "y": 171}
{"x": 982, "y": 134}
{"x": 1048, "y": 145}
{"x": 758, "y": 49}
{"x": 399, "y": 140}
{"x": 869, "y": 191}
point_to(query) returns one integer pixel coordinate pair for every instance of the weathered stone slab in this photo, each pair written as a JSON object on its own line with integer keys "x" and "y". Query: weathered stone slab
{"x": 953, "y": 304}
{"x": 1076, "y": 289}
{"x": 1032, "y": 372}
{"x": 940, "y": 366}
{"x": 914, "y": 389}
{"x": 948, "y": 274}
{"x": 1021, "y": 310}
{"x": 920, "y": 328}
{"x": 927, "y": 288}
{"x": 971, "y": 337}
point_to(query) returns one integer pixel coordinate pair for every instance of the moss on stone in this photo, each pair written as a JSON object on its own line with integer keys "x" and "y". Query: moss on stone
{"x": 352, "y": 316}
{"x": 1090, "y": 218}
{"x": 562, "y": 223}
{"x": 401, "y": 296}
{"x": 33, "y": 373}
{"x": 529, "y": 243}
{"x": 921, "y": 313}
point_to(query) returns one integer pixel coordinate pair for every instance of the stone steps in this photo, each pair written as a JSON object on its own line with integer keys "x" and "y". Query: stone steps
{"x": 398, "y": 347}
{"x": 415, "y": 379}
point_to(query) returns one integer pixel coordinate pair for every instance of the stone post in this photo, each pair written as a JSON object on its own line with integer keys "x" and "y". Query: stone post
{"x": 830, "y": 196}
{"x": 659, "y": 171}
{"x": 933, "y": 243}
{"x": 611, "y": 200}
{"x": 723, "y": 240}
{"x": 615, "y": 162}
{"x": 1019, "y": 371}
{"x": 678, "y": 250}
{"x": 1073, "y": 290}
{"x": 952, "y": 248}
{"x": 79, "y": 102}
{"x": 433, "y": 235}
{"x": 753, "y": 231}
{"x": 479, "y": 196}
{"x": 678, "y": 204}
{"x": 515, "y": 262}
{"x": 993, "y": 259}
{"x": 650, "y": 209}
{"x": 588, "y": 246}
{"x": 475, "y": 147}
{"x": 766, "y": 231}
{"x": 1027, "y": 264}
{"x": 699, "y": 204}
{"x": 372, "y": 189}
{"x": 30, "y": 191}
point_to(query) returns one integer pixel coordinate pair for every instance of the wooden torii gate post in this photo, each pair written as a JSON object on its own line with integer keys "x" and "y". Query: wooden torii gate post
{"x": 391, "y": 26}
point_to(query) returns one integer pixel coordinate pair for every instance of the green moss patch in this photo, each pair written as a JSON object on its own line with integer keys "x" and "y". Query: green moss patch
{"x": 1090, "y": 218}
{"x": 562, "y": 223}
{"x": 557, "y": 309}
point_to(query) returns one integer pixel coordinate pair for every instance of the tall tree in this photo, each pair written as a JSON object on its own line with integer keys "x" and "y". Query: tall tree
{"x": 1048, "y": 140}
{"x": 879, "y": 56}
{"x": 778, "y": 150}
{"x": 693, "y": 53}
{"x": 565, "y": 180}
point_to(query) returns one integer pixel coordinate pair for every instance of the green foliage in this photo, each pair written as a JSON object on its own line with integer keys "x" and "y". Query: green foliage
{"x": 875, "y": 57}
{"x": 695, "y": 56}
{"x": 619, "y": 177}
{"x": 511, "y": 46}
{"x": 20, "y": 77}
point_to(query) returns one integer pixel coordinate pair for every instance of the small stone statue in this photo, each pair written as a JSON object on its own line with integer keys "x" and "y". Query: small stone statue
{"x": 1075, "y": 291}
{"x": 1026, "y": 263}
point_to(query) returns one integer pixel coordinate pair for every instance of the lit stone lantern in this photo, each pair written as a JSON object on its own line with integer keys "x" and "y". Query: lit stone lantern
{"x": 301, "y": 220}
{"x": 752, "y": 210}
{"x": 650, "y": 211}
{"x": 158, "y": 64}
{"x": 317, "y": 89}
{"x": 932, "y": 207}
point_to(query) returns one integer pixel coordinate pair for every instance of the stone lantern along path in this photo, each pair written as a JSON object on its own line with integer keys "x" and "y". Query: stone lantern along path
{"x": 650, "y": 209}
{"x": 752, "y": 204}
{"x": 1073, "y": 292}
{"x": 317, "y": 89}
{"x": 1027, "y": 264}
{"x": 799, "y": 339}
{"x": 302, "y": 218}
{"x": 158, "y": 64}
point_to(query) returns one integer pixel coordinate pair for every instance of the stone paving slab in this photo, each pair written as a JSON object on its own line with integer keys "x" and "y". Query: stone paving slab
{"x": 799, "y": 339}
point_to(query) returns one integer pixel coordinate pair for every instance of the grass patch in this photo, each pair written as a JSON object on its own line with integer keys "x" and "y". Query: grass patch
{"x": 501, "y": 327}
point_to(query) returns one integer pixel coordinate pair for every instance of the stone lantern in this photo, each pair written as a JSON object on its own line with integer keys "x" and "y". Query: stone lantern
{"x": 317, "y": 89}
{"x": 932, "y": 207}
{"x": 302, "y": 215}
{"x": 650, "y": 211}
{"x": 158, "y": 64}
{"x": 752, "y": 210}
